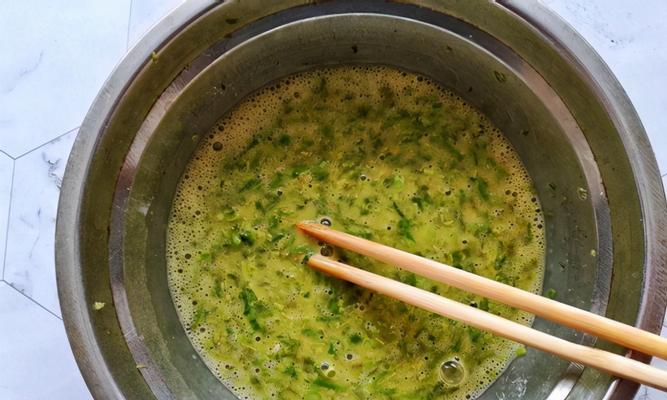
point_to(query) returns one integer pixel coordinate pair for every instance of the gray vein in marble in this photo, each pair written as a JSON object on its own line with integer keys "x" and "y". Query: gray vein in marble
{"x": 9, "y": 214}
{"x": 590, "y": 18}
{"x": 25, "y": 288}
{"x": 25, "y": 221}
{"x": 34, "y": 243}
{"x": 14, "y": 81}
{"x": 29, "y": 298}
{"x": 53, "y": 166}
{"x": 129, "y": 24}
{"x": 53, "y": 140}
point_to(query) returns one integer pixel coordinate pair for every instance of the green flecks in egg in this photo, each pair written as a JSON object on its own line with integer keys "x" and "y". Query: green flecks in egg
{"x": 378, "y": 153}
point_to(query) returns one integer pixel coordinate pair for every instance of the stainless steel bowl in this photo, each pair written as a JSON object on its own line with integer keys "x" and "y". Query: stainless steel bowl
{"x": 567, "y": 116}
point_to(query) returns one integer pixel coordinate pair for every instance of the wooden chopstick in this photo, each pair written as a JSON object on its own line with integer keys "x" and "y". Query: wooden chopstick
{"x": 605, "y": 328}
{"x": 608, "y": 362}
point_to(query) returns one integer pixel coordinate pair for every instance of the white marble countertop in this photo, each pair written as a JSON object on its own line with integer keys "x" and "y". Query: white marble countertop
{"x": 46, "y": 87}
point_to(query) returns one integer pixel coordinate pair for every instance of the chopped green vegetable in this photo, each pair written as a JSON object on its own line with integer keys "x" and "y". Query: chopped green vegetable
{"x": 356, "y": 338}
{"x": 500, "y": 262}
{"x": 250, "y": 184}
{"x": 410, "y": 279}
{"x": 252, "y": 308}
{"x": 520, "y": 351}
{"x": 217, "y": 288}
{"x": 291, "y": 371}
{"x": 582, "y": 193}
{"x": 422, "y": 198}
{"x": 332, "y": 349}
{"x": 328, "y": 384}
{"x": 277, "y": 180}
{"x": 201, "y": 314}
{"x": 482, "y": 188}
{"x": 284, "y": 140}
{"x": 333, "y": 306}
{"x": 528, "y": 237}
{"x": 397, "y": 209}
{"x": 404, "y": 227}
{"x": 457, "y": 258}
{"x": 298, "y": 170}
{"x": 321, "y": 171}
{"x": 475, "y": 334}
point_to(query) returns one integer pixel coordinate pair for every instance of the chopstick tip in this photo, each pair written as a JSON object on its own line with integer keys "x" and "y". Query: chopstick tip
{"x": 308, "y": 226}
{"x": 303, "y": 225}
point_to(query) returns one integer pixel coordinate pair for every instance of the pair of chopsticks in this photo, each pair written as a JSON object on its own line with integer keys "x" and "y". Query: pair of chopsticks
{"x": 604, "y": 328}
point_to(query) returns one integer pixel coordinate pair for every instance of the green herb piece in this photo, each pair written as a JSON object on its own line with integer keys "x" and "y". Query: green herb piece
{"x": 484, "y": 304}
{"x": 321, "y": 88}
{"x": 206, "y": 258}
{"x": 362, "y": 111}
{"x": 410, "y": 279}
{"x": 310, "y": 332}
{"x": 528, "y": 237}
{"x": 457, "y": 258}
{"x": 475, "y": 334}
{"x": 200, "y": 317}
{"x": 482, "y": 188}
{"x": 284, "y": 140}
{"x": 277, "y": 236}
{"x": 404, "y": 227}
{"x": 320, "y": 172}
{"x": 250, "y": 184}
{"x": 520, "y": 351}
{"x": 356, "y": 338}
{"x": 462, "y": 197}
{"x": 252, "y": 308}
{"x": 422, "y": 198}
{"x": 298, "y": 170}
{"x": 247, "y": 238}
{"x": 500, "y": 262}
{"x": 445, "y": 142}
{"x": 328, "y": 384}
{"x": 277, "y": 180}
{"x": 582, "y": 193}
{"x": 217, "y": 288}
{"x": 394, "y": 181}
{"x": 332, "y": 349}
{"x": 291, "y": 371}
{"x": 482, "y": 230}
